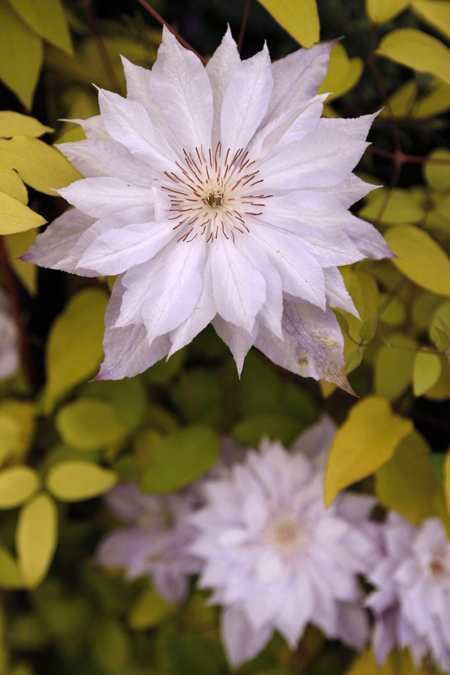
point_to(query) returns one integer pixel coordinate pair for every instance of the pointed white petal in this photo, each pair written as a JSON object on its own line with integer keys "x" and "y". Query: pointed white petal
{"x": 138, "y": 82}
{"x": 355, "y": 127}
{"x": 245, "y": 101}
{"x": 313, "y": 345}
{"x": 237, "y": 339}
{"x": 368, "y": 240}
{"x": 105, "y": 196}
{"x": 180, "y": 85}
{"x": 337, "y": 294}
{"x": 57, "y": 246}
{"x": 220, "y": 67}
{"x": 128, "y": 122}
{"x": 93, "y": 128}
{"x": 239, "y": 289}
{"x": 242, "y": 641}
{"x": 351, "y": 190}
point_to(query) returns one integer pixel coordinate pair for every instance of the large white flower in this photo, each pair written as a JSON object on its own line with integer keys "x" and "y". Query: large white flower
{"x": 218, "y": 195}
{"x": 9, "y": 352}
{"x": 412, "y": 600}
{"x": 275, "y": 557}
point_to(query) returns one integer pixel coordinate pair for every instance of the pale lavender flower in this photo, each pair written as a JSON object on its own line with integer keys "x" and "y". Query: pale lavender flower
{"x": 412, "y": 601}
{"x": 9, "y": 352}
{"x": 218, "y": 195}
{"x": 156, "y": 541}
{"x": 275, "y": 557}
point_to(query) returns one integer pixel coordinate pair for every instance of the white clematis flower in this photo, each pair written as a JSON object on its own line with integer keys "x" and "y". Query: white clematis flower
{"x": 275, "y": 557}
{"x": 9, "y": 346}
{"x": 218, "y": 195}
{"x": 412, "y": 601}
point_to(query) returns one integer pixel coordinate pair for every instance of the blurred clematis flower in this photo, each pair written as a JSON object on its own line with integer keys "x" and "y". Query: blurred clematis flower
{"x": 412, "y": 601}
{"x": 275, "y": 557}
{"x": 9, "y": 352}
{"x": 218, "y": 195}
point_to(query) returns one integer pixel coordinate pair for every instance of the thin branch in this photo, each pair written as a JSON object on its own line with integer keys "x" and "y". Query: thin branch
{"x": 406, "y": 159}
{"x": 243, "y": 25}
{"x": 101, "y": 48}
{"x": 163, "y": 22}
{"x": 24, "y": 346}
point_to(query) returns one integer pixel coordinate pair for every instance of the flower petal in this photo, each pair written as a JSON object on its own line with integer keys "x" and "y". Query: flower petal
{"x": 237, "y": 339}
{"x": 242, "y": 641}
{"x": 93, "y": 128}
{"x": 313, "y": 345}
{"x": 180, "y": 85}
{"x": 245, "y": 101}
{"x": 351, "y": 190}
{"x": 337, "y": 294}
{"x": 219, "y": 68}
{"x": 105, "y": 196}
{"x": 368, "y": 240}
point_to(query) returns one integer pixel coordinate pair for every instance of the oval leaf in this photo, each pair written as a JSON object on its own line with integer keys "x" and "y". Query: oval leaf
{"x": 47, "y": 19}
{"x": 427, "y": 370}
{"x": 90, "y": 424}
{"x": 417, "y": 50}
{"x": 10, "y": 576}
{"x": 298, "y": 17}
{"x": 14, "y": 124}
{"x": 36, "y": 537}
{"x": 16, "y": 217}
{"x": 76, "y": 481}
{"x": 17, "y": 484}
{"x": 380, "y": 11}
{"x": 365, "y": 442}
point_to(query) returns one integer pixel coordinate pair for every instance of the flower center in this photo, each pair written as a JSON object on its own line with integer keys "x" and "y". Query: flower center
{"x": 214, "y": 193}
{"x": 285, "y": 534}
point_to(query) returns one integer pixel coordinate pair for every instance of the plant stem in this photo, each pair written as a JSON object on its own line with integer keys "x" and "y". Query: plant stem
{"x": 243, "y": 25}
{"x": 400, "y": 158}
{"x": 101, "y": 48}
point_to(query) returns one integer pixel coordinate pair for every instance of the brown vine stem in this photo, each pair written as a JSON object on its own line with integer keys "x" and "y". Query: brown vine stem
{"x": 24, "y": 346}
{"x": 163, "y": 22}
{"x": 406, "y": 159}
{"x": 243, "y": 25}
{"x": 101, "y": 47}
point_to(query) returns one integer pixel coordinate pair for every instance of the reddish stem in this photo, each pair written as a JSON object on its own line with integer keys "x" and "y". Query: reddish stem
{"x": 101, "y": 48}
{"x": 163, "y": 22}
{"x": 243, "y": 25}
{"x": 400, "y": 158}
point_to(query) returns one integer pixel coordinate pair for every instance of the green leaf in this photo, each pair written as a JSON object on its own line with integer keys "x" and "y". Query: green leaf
{"x": 179, "y": 458}
{"x": 22, "y": 412}
{"x": 368, "y": 329}
{"x": 277, "y": 427}
{"x": 420, "y": 258}
{"x": 10, "y": 576}
{"x": 447, "y": 480}
{"x": 438, "y": 175}
{"x": 128, "y": 396}
{"x": 17, "y": 484}
{"x": 21, "y": 55}
{"x": 16, "y": 245}
{"x": 77, "y": 481}
{"x": 298, "y": 17}
{"x": 47, "y": 19}
{"x": 363, "y": 443}
{"x": 165, "y": 370}
{"x": 417, "y": 50}
{"x": 15, "y": 124}
{"x": 400, "y": 207}
{"x": 397, "y": 663}
{"x": 353, "y": 361}
{"x": 74, "y": 347}
{"x": 9, "y": 436}
{"x": 427, "y": 370}
{"x": 36, "y": 537}
{"x": 407, "y": 483}
{"x": 394, "y": 366}
{"x": 380, "y": 11}
{"x": 12, "y": 185}
{"x": 90, "y": 424}
{"x": 111, "y": 647}
{"x": 41, "y": 166}
{"x": 16, "y": 217}
{"x": 434, "y": 12}
{"x": 149, "y": 610}
{"x": 342, "y": 74}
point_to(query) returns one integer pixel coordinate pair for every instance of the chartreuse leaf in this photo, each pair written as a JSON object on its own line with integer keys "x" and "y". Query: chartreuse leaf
{"x": 15, "y": 124}
{"x": 21, "y": 55}
{"x": 438, "y": 175}
{"x": 343, "y": 73}
{"x": 417, "y": 50}
{"x": 394, "y": 365}
{"x": 47, "y": 19}
{"x": 90, "y": 424}
{"x": 298, "y": 17}
{"x": 74, "y": 347}
{"x": 12, "y": 185}
{"x": 111, "y": 647}
{"x": 10, "y": 576}
{"x": 420, "y": 258}
{"x": 380, "y": 11}
{"x": 9, "y": 436}
{"x": 365, "y": 442}
{"x": 17, "y": 484}
{"x": 407, "y": 483}
{"x": 36, "y": 537}
{"x": 400, "y": 208}
{"x": 277, "y": 427}
{"x": 397, "y": 663}
{"x": 149, "y": 610}
{"x": 76, "y": 481}
{"x": 427, "y": 370}
{"x": 407, "y": 102}
{"x": 16, "y": 217}
{"x": 41, "y": 166}
{"x": 447, "y": 480}
{"x": 16, "y": 244}
{"x": 22, "y": 413}
{"x": 179, "y": 458}
{"x": 434, "y": 12}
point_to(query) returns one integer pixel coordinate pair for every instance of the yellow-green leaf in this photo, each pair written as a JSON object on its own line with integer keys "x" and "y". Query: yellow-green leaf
{"x": 417, "y": 50}
{"x": 47, "y": 19}
{"x": 394, "y": 365}
{"x": 9, "y": 436}
{"x": 438, "y": 175}
{"x": 16, "y": 217}
{"x": 36, "y": 537}
{"x": 434, "y": 12}
{"x": 298, "y": 17}
{"x": 74, "y": 347}
{"x": 90, "y": 424}
{"x": 365, "y": 442}
{"x": 12, "y": 185}
{"x": 447, "y": 480}
{"x": 380, "y": 11}
{"x": 427, "y": 370}
{"x": 400, "y": 207}
{"x": 149, "y": 610}
{"x": 21, "y": 413}
{"x": 17, "y": 484}
{"x": 406, "y": 101}
{"x": 420, "y": 258}
{"x": 407, "y": 483}
{"x": 76, "y": 481}
{"x": 10, "y": 576}
{"x": 342, "y": 74}
{"x": 41, "y": 166}
{"x": 15, "y": 124}
{"x": 21, "y": 55}
{"x": 17, "y": 244}
{"x": 397, "y": 663}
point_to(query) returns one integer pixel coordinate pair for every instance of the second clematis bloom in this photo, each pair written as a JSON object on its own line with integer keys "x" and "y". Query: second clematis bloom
{"x": 218, "y": 195}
